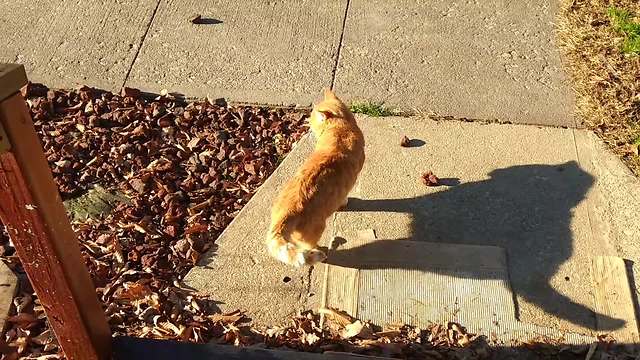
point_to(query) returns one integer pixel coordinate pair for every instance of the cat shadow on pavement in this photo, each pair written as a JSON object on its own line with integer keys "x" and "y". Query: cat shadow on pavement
{"x": 527, "y": 210}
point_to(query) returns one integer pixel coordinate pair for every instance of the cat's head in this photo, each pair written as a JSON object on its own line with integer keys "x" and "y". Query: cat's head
{"x": 330, "y": 110}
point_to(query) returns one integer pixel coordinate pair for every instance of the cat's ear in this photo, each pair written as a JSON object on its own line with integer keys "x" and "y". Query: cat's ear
{"x": 323, "y": 115}
{"x": 329, "y": 94}
{"x": 325, "y": 112}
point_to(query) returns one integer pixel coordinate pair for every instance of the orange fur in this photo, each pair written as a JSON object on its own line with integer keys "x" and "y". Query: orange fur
{"x": 320, "y": 187}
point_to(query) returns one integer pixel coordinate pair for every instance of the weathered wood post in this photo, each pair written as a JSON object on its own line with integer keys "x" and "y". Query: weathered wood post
{"x": 32, "y": 211}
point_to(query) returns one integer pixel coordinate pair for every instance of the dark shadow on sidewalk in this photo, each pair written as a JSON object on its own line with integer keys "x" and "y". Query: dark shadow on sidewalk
{"x": 527, "y": 210}
{"x": 208, "y": 21}
{"x": 125, "y": 348}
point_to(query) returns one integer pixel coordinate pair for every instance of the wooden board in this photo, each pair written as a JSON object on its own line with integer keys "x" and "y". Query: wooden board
{"x": 32, "y": 211}
{"x": 613, "y": 299}
{"x": 12, "y": 78}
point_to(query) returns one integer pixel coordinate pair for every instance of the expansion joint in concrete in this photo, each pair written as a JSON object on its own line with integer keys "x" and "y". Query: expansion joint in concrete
{"x": 142, "y": 38}
{"x": 340, "y": 43}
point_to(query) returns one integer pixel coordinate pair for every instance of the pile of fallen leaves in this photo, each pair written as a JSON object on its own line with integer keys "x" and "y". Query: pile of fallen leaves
{"x": 605, "y": 77}
{"x": 334, "y": 331}
{"x": 344, "y": 333}
{"x": 187, "y": 169}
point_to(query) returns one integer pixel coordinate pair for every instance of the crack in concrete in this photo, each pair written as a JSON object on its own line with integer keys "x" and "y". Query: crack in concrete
{"x": 340, "y": 43}
{"x": 142, "y": 39}
{"x": 307, "y": 280}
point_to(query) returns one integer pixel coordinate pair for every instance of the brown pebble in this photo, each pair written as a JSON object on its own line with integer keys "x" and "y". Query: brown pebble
{"x": 430, "y": 179}
{"x": 405, "y": 142}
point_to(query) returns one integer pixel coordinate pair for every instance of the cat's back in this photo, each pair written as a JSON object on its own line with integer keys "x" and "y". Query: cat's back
{"x": 328, "y": 174}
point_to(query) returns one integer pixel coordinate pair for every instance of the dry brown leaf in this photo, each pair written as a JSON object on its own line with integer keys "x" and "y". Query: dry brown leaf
{"x": 169, "y": 326}
{"x": 311, "y": 338}
{"x": 193, "y": 143}
{"x": 22, "y": 319}
{"x": 22, "y": 302}
{"x": 196, "y": 228}
{"x": 389, "y": 333}
{"x": 464, "y": 340}
{"x": 46, "y": 337}
{"x": 357, "y": 329}
{"x": 341, "y": 317}
{"x": 134, "y": 291}
{"x": 228, "y": 318}
{"x": 186, "y": 333}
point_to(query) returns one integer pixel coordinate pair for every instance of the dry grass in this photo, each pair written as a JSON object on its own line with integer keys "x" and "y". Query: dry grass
{"x": 606, "y": 75}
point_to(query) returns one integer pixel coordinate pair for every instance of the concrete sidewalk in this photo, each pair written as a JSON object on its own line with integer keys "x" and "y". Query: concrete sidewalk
{"x": 552, "y": 198}
{"x": 471, "y": 59}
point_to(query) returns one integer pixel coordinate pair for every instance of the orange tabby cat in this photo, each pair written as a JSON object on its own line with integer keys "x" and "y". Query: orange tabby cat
{"x": 320, "y": 187}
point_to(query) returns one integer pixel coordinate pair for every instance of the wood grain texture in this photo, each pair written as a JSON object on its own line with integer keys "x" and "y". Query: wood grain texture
{"x": 613, "y": 298}
{"x": 32, "y": 211}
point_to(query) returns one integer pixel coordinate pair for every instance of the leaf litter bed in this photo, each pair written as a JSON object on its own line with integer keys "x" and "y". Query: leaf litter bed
{"x": 188, "y": 169}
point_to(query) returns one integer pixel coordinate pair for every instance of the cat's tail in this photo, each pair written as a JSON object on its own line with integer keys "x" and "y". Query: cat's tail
{"x": 289, "y": 253}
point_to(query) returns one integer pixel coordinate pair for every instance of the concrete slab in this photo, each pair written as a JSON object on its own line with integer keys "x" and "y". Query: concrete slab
{"x": 419, "y": 282}
{"x": 276, "y": 52}
{"x": 614, "y": 203}
{"x": 521, "y": 189}
{"x": 528, "y": 190}
{"x": 68, "y": 42}
{"x": 239, "y": 273}
{"x": 471, "y": 59}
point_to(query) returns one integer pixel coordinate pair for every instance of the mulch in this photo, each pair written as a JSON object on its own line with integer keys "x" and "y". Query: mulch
{"x": 188, "y": 169}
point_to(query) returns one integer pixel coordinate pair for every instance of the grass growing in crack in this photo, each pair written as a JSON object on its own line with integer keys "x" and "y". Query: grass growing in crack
{"x": 621, "y": 20}
{"x": 371, "y": 108}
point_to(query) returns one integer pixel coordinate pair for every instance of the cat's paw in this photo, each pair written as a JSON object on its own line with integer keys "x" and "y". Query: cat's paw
{"x": 289, "y": 254}
{"x": 314, "y": 256}
{"x": 300, "y": 260}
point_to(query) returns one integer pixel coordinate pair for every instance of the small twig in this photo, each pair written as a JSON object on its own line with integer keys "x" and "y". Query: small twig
{"x": 201, "y": 206}
{"x": 125, "y": 108}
